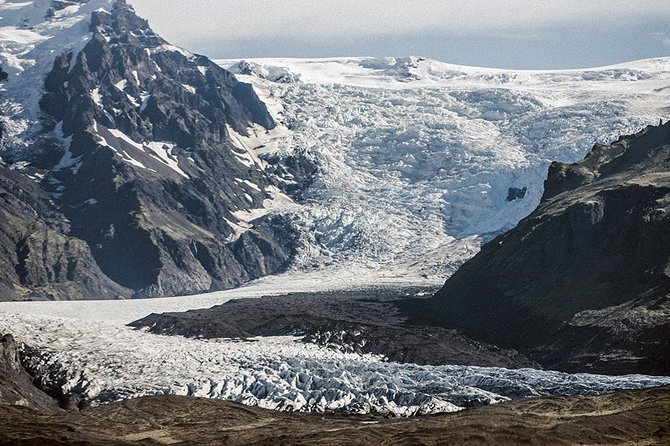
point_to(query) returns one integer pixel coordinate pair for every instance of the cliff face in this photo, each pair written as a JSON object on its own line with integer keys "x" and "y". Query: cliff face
{"x": 583, "y": 283}
{"x": 137, "y": 159}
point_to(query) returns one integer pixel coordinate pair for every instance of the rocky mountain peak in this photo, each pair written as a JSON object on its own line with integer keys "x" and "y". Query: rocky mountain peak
{"x": 143, "y": 150}
{"x": 128, "y": 77}
{"x": 633, "y": 152}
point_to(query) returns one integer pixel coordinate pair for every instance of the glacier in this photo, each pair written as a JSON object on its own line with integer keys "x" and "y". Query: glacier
{"x": 86, "y": 349}
{"x": 417, "y": 158}
{"x": 419, "y": 162}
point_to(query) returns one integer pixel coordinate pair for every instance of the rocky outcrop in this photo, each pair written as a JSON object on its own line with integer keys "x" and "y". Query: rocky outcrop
{"x": 583, "y": 283}
{"x": 39, "y": 259}
{"x": 145, "y": 159}
{"x": 16, "y": 387}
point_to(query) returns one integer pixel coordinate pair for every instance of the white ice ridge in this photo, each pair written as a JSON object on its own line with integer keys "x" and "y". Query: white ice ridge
{"x": 417, "y": 157}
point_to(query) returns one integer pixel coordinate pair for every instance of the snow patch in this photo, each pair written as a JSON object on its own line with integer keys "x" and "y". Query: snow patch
{"x": 164, "y": 152}
{"x": 68, "y": 161}
{"x": 276, "y": 203}
{"x": 144, "y": 96}
{"x": 121, "y": 153}
{"x": 189, "y": 88}
{"x": 170, "y": 48}
{"x": 95, "y": 95}
{"x": 252, "y": 185}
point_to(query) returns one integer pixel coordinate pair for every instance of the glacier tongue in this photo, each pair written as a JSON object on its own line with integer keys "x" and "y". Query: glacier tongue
{"x": 86, "y": 349}
{"x": 419, "y": 159}
{"x": 105, "y": 362}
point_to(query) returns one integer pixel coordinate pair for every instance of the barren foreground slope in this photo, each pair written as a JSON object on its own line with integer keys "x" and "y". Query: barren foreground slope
{"x": 631, "y": 417}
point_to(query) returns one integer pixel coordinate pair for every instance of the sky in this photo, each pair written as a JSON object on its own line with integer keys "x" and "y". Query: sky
{"x": 523, "y": 34}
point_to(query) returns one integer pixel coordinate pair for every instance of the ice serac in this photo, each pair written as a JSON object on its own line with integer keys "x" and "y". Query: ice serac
{"x": 135, "y": 148}
{"x": 421, "y": 160}
{"x": 583, "y": 283}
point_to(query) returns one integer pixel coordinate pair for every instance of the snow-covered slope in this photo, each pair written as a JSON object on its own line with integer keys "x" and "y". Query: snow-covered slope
{"x": 418, "y": 158}
{"x": 32, "y": 34}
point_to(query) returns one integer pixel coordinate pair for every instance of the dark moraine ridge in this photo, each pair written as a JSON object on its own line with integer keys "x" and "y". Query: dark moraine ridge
{"x": 583, "y": 283}
{"x": 352, "y": 321}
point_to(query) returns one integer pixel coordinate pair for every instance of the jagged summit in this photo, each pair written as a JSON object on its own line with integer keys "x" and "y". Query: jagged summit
{"x": 145, "y": 152}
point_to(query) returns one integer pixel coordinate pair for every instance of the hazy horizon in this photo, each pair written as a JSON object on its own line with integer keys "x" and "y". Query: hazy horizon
{"x": 521, "y": 34}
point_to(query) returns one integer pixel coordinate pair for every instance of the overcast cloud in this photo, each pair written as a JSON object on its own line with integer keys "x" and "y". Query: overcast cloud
{"x": 510, "y": 33}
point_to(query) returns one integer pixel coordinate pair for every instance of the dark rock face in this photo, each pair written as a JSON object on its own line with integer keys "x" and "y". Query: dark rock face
{"x": 583, "y": 283}
{"x": 38, "y": 260}
{"x": 16, "y": 387}
{"x": 3, "y": 77}
{"x": 151, "y": 192}
{"x": 516, "y": 193}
